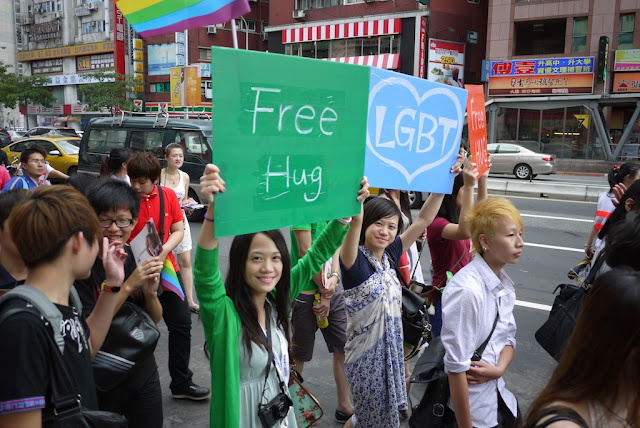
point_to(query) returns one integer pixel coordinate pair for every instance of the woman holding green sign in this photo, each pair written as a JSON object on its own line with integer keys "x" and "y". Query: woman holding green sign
{"x": 245, "y": 318}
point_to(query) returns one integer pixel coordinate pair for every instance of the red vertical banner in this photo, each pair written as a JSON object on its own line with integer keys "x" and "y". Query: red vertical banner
{"x": 477, "y": 124}
{"x": 118, "y": 40}
{"x": 422, "y": 46}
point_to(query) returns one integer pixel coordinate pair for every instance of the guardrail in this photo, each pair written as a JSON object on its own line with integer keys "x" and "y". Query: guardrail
{"x": 582, "y": 192}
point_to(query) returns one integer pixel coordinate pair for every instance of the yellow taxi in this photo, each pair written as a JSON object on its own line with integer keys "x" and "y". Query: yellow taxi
{"x": 62, "y": 151}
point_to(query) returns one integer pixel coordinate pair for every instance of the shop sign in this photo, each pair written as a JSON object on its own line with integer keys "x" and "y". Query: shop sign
{"x": 542, "y": 76}
{"x": 423, "y": 46}
{"x": 45, "y": 30}
{"x": 192, "y": 86}
{"x": 204, "y": 69}
{"x": 627, "y": 60}
{"x": 38, "y": 109}
{"x": 72, "y": 79}
{"x": 94, "y": 62}
{"x": 161, "y": 58}
{"x": 65, "y": 51}
{"x": 446, "y": 62}
{"x": 47, "y": 66}
{"x": 177, "y": 86}
{"x": 83, "y": 10}
{"x": 626, "y": 82}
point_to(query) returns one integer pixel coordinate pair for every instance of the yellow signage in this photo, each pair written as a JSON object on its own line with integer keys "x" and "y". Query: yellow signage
{"x": 66, "y": 51}
{"x": 177, "y": 86}
{"x": 583, "y": 120}
{"x": 137, "y": 44}
{"x": 138, "y": 67}
{"x": 138, "y": 88}
{"x": 137, "y": 55}
{"x": 83, "y": 63}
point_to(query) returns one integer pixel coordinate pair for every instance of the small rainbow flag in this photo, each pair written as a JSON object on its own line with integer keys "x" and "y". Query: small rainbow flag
{"x": 169, "y": 279}
{"x": 153, "y": 17}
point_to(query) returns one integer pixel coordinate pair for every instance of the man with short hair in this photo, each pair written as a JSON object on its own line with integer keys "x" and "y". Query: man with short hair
{"x": 13, "y": 271}
{"x": 33, "y": 166}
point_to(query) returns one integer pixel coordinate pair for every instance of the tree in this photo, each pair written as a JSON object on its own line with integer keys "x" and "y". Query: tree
{"x": 23, "y": 90}
{"x": 111, "y": 91}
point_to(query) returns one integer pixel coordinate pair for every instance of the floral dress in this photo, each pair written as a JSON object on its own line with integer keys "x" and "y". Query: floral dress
{"x": 374, "y": 359}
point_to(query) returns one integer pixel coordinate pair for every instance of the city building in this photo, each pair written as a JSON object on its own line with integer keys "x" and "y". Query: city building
{"x": 396, "y": 35}
{"x": 565, "y": 78}
{"x": 9, "y": 43}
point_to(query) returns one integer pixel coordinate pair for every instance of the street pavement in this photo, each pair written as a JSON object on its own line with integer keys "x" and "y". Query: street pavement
{"x": 555, "y": 232}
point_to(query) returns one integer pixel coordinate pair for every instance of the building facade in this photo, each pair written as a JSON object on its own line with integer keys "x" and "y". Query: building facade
{"x": 564, "y": 77}
{"x": 395, "y": 35}
{"x": 9, "y": 43}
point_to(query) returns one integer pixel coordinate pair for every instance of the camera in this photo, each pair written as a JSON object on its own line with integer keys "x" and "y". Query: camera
{"x": 275, "y": 410}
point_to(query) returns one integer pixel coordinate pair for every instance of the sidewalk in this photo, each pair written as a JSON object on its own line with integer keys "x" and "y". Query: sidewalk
{"x": 539, "y": 188}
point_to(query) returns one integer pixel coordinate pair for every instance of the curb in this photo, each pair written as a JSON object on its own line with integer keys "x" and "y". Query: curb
{"x": 570, "y": 191}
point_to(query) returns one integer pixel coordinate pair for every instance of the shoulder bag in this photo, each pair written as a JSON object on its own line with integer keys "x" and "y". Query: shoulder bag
{"x": 554, "y": 334}
{"x": 66, "y": 403}
{"x": 305, "y": 405}
{"x": 429, "y": 371}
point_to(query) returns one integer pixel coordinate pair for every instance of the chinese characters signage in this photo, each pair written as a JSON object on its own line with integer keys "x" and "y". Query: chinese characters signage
{"x": 118, "y": 36}
{"x": 70, "y": 79}
{"x": 627, "y": 60}
{"x": 542, "y": 76}
{"x": 626, "y": 82}
{"x": 423, "y": 46}
{"x": 47, "y": 66}
{"x": 65, "y": 51}
{"x": 94, "y": 62}
{"x": 446, "y": 62}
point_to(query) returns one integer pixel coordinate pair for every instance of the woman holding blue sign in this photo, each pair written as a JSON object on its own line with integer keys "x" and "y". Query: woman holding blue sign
{"x": 374, "y": 357}
{"x": 245, "y": 318}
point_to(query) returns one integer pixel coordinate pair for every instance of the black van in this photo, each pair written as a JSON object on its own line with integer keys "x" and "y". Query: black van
{"x": 151, "y": 134}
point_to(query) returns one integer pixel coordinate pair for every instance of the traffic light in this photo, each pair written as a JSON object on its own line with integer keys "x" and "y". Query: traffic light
{"x": 603, "y": 56}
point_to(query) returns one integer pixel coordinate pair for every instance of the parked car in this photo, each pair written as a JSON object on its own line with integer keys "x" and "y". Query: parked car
{"x": 525, "y": 164}
{"x": 5, "y": 137}
{"x": 151, "y": 134}
{"x": 62, "y": 153}
{"x": 61, "y": 130}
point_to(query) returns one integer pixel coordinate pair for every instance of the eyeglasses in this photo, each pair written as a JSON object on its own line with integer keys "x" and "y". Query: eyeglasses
{"x": 38, "y": 161}
{"x": 120, "y": 222}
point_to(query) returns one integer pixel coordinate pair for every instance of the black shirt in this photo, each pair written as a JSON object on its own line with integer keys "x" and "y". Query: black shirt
{"x": 7, "y": 282}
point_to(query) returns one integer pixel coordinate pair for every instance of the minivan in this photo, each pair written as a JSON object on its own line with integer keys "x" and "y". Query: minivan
{"x": 151, "y": 134}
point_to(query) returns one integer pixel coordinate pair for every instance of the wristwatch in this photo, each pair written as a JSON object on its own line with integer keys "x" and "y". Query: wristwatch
{"x": 336, "y": 274}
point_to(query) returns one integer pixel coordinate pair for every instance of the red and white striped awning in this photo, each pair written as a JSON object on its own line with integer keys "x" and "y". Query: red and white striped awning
{"x": 374, "y": 27}
{"x": 386, "y": 61}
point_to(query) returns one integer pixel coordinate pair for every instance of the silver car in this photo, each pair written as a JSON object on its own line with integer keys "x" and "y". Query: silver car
{"x": 525, "y": 164}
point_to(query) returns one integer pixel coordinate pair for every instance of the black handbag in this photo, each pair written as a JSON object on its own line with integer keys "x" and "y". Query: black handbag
{"x": 131, "y": 339}
{"x": 429, "y": 371}
{"x": 554, "y": 334}
{"x": 416, "y": 328}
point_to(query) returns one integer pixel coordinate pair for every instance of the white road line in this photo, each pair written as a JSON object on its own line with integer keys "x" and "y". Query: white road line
{"x": 557, "y": 218}
{"x": 533, "y": 305}
{"x": 554, "y": 247}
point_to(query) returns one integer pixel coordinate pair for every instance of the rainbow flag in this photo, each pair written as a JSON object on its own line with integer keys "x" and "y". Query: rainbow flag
{"x": 169, "y": 279}
{"x": 153, "y": 17}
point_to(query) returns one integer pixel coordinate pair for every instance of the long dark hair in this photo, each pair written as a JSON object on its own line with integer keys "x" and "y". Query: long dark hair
{"x": 607, "y": 332}
{"x": 449, "y": 209}
{"x": 405, "y": 204}
{"x": 113, "y": 161}
{"x": 619, "y": 172}
{"x": 619, "y": 214}
{"x": 374, "y": 210}
{"x": 239, "y": 292}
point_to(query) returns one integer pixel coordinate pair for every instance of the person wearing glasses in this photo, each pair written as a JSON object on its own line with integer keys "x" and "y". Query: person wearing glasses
{"x": 137, "y": 394}
{"x": 33, "y": 166}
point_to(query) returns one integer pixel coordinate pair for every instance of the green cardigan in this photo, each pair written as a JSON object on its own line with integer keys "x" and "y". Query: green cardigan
{"x": 222, "y": 323}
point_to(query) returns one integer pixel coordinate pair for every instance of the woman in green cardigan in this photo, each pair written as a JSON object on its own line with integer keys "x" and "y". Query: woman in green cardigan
{"x": 251, "y": 312}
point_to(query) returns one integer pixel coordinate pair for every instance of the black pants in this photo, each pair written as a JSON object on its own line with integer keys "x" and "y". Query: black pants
{"x": 177, "y": 316}
{"x": 505, "y": 418}
{"x": 139, "y": 398}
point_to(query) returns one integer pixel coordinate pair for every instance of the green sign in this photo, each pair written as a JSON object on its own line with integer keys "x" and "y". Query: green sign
{"x": 289, "y": 137}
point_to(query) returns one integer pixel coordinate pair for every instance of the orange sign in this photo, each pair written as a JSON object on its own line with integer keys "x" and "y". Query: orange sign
{"x": 626, "y": 82}
{"x": 477, "y": 124}
{"x": 192, "y": 84}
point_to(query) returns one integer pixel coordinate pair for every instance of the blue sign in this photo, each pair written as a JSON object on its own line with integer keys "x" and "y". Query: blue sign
{"x": 413, "y": 132}
{"x": 486, "y": 70}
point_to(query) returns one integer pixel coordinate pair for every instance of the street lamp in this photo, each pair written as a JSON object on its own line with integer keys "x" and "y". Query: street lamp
{"x": 246, "y": 33}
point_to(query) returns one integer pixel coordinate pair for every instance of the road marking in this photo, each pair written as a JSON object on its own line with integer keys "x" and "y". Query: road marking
{"x": 533, "y": 305}
{"x": 554, "y": 247}
{"x": 502, "y": 195}
{"x": 556, "y": 218}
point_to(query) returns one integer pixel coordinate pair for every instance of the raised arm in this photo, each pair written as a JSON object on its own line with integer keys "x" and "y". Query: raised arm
{"x": 461, "y": 230}
{"x": 482, "y": 184}
{"x": 349, "y": 250}
{"x": 210, "y": 184}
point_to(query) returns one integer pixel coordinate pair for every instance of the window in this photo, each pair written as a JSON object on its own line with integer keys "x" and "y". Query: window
{"x": 204, "y": 54}
{"x": 197, "y": 150}
{"x": 492, "y": 148}
{"x": 579, "y": 36}
{"x": 345, "y": 47}
{"x": 149, "y": 141}
{"x": 317, "y": 4}
{"x": 626, "y": 26}
{"x": 92, "y": 27}
{"x": 103, "y": 140}
{"x": 540, "y": 37}
{"x": 246, "y": 24}
{"x": 505, "y": 148}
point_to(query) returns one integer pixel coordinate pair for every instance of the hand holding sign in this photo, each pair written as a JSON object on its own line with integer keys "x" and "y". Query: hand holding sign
{"x": 476, "y": 120}
{"x": 211, "y": 183}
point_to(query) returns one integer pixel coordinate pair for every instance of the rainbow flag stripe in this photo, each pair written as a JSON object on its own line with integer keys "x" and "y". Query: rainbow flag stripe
{"x": 153, "y": 17}
{"x": 169, "y": 279}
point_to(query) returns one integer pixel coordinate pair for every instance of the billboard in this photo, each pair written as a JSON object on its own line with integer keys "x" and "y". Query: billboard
{"x": 161, "y": 58}
{"x": 624, "y": 83}
{"x": 542, "y": 76}
{"x": 627, "y": 60}
{"x": 446, "y": 62}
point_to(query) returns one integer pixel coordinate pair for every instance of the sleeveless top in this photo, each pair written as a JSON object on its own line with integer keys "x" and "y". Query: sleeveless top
{"x": 179, "y": 190}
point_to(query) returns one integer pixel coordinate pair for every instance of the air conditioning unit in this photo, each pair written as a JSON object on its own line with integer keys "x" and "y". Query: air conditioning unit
{"x": 212, "y": 29}
{"x": 57, "y": 15}
{"x": 27, "y": 20}
{"x": 92, "y": 6}
{"x": 299, "y": 14}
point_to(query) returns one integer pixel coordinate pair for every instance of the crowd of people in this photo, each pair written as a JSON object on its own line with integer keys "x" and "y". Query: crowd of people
{"x": 69, "y": 246}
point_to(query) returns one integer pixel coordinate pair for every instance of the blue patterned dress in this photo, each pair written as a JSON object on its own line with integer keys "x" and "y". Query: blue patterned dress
{"x": 374, "y": 359}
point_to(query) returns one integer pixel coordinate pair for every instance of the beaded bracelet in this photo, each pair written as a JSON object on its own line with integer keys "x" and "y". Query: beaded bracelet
{"x": 109, "y": 288}
{"x": 208, "y": 219}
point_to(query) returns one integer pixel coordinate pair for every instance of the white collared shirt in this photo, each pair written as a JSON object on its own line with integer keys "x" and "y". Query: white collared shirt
{"x": 468, "y": 313}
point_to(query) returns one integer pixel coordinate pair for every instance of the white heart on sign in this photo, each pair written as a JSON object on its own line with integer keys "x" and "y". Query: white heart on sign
{"x": 419, "y": 100}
